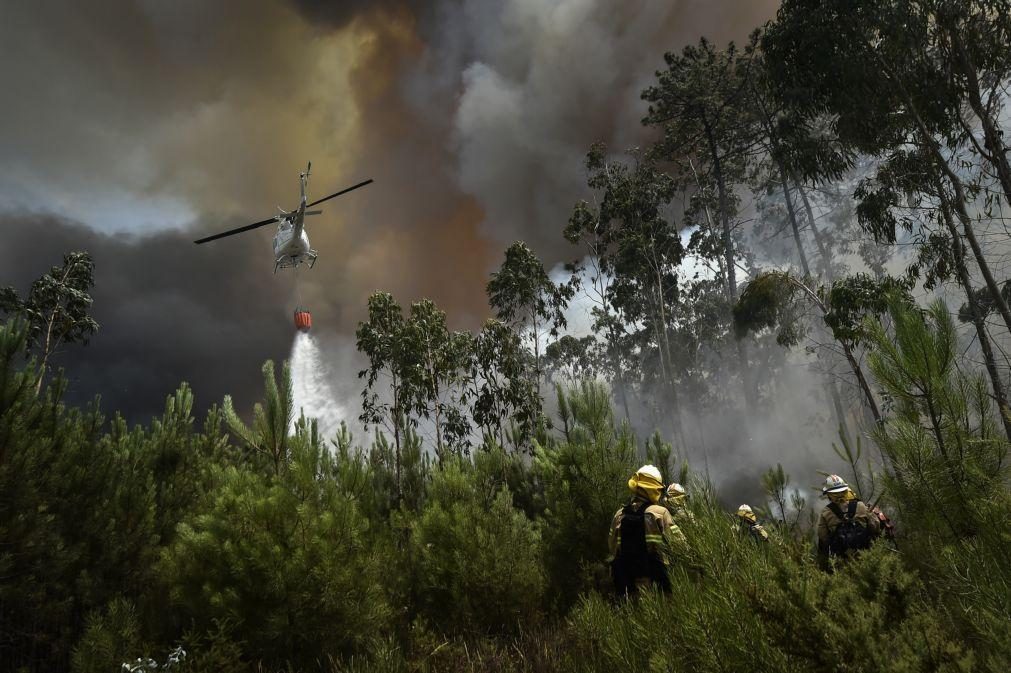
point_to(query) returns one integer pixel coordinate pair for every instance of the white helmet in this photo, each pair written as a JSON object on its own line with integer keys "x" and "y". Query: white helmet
{"x": 745, "y": 512}
{"x": 650, "y": 471}
{"x": 834, "y": 484}
{"x": 675, "y": 490}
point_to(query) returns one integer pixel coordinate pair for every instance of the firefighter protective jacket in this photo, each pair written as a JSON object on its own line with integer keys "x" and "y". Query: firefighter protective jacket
{"x": 828, "y": 522}
{"x": 658, "y": 522}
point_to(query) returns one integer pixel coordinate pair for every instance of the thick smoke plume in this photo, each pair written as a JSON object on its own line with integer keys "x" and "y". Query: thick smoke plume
{"x": 131, "y": 127}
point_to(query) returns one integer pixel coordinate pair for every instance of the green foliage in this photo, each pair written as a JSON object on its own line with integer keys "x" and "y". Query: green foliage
{"x": 478, "y": 558}
{"x": 769, "y": 301}
{"x": 82, "y": 512}
{"x": 850, "y": 300}
{"x": 503, "y": 390}
{"x": 437, "y": 364}
{"x": 984, "y": 302}
{"x": 522, "y": 294}
{"x": 112, "y": 635}
{"x": 736, "y": 607}
{"x": 584, "y": 480}
{"x": 56, "y": 308}
{"x": 269, "y": 435}
{"x": 948, "y": 476}
{"x": 284, "y": 558}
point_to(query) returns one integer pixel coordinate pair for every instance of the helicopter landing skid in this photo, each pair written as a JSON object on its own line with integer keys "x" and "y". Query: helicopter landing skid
{"x": 293, "y": 262}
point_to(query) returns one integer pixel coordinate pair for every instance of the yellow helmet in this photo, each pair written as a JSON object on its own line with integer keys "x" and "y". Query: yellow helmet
{"x": 647, "y": 482}
{"x": 745, "y": 512}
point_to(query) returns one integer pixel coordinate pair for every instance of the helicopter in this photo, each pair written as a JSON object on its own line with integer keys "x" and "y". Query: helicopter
{"x": 291, "y": 243}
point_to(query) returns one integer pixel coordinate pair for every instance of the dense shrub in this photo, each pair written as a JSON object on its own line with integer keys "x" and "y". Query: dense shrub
{"x": 284, "y": 558}
{"x": 478, "y": 558}
{"x": 286, "y": 552}
{"x": 740, "y": 606}
{"x": 584, "y": 477}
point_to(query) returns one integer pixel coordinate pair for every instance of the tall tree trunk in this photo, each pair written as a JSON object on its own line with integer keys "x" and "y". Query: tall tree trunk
{"x": 826, "y": 263}
{"x": 819, "y": 241}
{"x": 977, "y": 317}
{"x": 958, "y": 198}
{"x": 665, "y": 366}
{"x": 837, "y": 406}
{"x": 396, "y": 439}
{"x": 996, "y": 153}
{"x": 750, "y": 393}
{"x": 665, "y": 345}
{"x": 793, "y": 222}
{"x": 858, "y": 372}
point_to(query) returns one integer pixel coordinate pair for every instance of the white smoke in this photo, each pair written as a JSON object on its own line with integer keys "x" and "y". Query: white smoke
{"x": 311, "y": 390}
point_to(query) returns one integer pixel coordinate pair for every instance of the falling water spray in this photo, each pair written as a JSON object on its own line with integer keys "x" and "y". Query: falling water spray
{"x": 311, "y": 390}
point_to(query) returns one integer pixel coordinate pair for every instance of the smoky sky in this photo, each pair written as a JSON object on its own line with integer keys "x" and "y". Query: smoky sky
{"x": 131, "y": 127}
{"x": 167, "y": 314}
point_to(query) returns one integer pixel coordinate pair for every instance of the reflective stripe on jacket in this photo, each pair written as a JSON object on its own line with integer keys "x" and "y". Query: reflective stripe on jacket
{"x": 658, "y": 521}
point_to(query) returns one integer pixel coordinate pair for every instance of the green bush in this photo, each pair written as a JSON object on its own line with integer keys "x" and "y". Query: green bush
{"x": 584, "y": 478}
{"x": 948, "y": 473}
{"x": 284, "y": 559}
{"x": 111, "y": 635}
{"x": 738, "y": 606}
{"x": 477, "y": 557}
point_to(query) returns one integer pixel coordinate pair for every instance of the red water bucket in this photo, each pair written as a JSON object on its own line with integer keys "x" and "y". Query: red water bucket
{"x": 303, "y": 320}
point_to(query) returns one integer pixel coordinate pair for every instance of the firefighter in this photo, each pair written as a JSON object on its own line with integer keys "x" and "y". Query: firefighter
{"x": 636, "y": 538}
{"x": 846, "y": 525}
{"x": 747, "y": 522}
{"x": 677, "y": 502}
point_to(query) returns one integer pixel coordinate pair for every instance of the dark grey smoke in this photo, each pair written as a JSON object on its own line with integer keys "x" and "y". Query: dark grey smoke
{"x": 168, "y": 313}
{"x": 132, "y": 116}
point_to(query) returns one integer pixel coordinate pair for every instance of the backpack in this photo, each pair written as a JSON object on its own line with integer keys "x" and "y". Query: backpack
{"x": 634, "y": 560}
{"x": 849, "y": 535}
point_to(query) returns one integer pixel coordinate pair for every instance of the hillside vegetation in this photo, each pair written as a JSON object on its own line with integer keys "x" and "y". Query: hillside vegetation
{"x": 778, "y": 255}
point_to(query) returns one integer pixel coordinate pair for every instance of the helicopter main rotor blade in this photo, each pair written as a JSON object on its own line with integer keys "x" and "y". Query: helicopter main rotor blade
{"x": 231, "y": 232}
{"x": 343, "y": 191}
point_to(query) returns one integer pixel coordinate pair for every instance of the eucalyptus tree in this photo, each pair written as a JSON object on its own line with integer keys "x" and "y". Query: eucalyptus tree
{"x": 791, "y": 148}
{"x": 573, "y": 359}
{"x": 898, "y": 74}
{"x": 776, "y": 300}
{"x": 503, "y": 395}
{"x": 57, "y": 308}
{"x": 523, "y": 296}
{"x": 909, "y": 194}
{"x": 638, "y": 249}
{"x": 380, "y": 339}
{"x": 435, "y": 366}
{"x": 708, "y": 135}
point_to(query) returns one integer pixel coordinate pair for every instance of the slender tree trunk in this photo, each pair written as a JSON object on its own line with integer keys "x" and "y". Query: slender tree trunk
{"x": 993, "y": 137}
{"x": 750, "y": 394}
{"x": 858, "y": 372}
{"x": 840, "y": 412}
{"x": 728, "y": 239}
{"x": 665, "y": 368}
{"x": 793, "y": 222}
{"x": 830, "y": 383}
{"x": 45, "y": 352}
{"x": 396, "y": 438}
{"x": 678, "y": 421}
{"x": 822, "y": 249}
{"x": 958, "y": 199}
{"x": 977, "y": 317}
